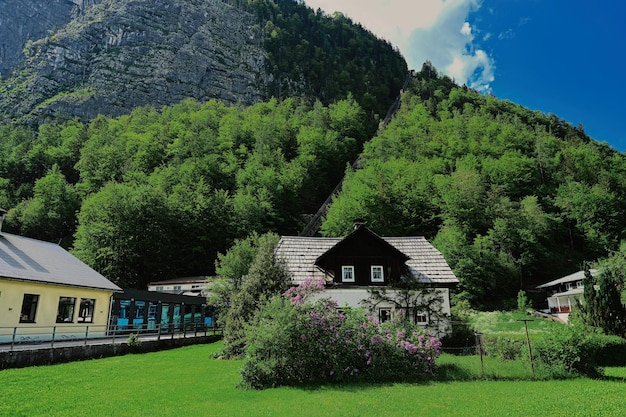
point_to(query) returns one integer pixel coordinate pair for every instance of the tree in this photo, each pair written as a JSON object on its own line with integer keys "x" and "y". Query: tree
{"x": 124, "y": 233}
{"x": 266, "y": 277}
{"x": 230, "y": 268}
{"x": 603, "y": 305}
{"x": 51, "y": 214}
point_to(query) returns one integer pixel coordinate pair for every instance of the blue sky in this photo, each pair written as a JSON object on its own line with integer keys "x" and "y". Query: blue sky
{"x": 566, "y": 57}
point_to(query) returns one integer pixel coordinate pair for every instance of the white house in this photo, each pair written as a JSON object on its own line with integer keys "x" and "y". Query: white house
{"x": 563, "y": 294}
{"x": 361, "y": 262}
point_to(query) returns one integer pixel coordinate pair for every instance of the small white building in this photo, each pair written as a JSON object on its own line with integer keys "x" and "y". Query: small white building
{"x": 563, "y": 294}
{"x": 194, "y": 286}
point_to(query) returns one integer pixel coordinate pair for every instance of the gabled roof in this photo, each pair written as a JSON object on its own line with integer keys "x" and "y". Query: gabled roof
{"x": 32, "y": 260}
{"x": 361, "y": 232}
{"x": 300, "y": 253}
{"x": 576, "y": 276}
{"x": 423, "y": 259}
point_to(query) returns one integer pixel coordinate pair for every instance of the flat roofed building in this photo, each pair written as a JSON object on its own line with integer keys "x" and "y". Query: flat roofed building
{"x": 194, "y": 286}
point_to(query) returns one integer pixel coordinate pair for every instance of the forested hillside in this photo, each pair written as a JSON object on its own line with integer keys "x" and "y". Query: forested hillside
{"x": 159, "y": 193}
{"x": 511, "y": 197}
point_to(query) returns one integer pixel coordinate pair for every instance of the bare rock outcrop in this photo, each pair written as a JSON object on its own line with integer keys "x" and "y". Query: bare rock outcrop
{"x": 82, "y": 58}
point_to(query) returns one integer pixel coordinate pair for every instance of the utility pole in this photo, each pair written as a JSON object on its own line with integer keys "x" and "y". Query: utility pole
{"x": 530, "y": 351}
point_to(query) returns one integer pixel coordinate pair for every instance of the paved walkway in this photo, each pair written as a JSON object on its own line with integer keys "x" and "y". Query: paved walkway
{"x": 118, "y": 339}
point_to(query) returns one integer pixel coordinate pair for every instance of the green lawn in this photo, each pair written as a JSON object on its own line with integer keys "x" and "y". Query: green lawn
{"x": 187, "y": 382}
{"x": 497, "y": 323}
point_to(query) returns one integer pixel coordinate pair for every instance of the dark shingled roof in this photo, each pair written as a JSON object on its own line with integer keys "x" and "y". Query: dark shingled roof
{"x": 32, "y": 260}
{"x": 425, "y": 262}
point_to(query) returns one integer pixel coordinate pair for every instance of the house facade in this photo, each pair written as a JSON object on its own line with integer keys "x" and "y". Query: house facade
{"x": 564, "y": 294}
{"x": 194, "y": 286}
{"x": 43, "y": 286}
{"x": 363, "y": 264}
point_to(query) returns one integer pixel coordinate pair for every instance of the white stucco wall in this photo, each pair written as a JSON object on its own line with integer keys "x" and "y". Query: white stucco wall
{"x": 356, "y": 297}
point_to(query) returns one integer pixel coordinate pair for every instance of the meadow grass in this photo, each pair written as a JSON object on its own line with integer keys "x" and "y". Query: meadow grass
{"x": 187, "y": 381}
{"x": 498, "y": 323}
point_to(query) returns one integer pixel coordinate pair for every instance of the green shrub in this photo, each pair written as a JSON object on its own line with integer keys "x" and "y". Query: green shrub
{"x": 568, "y": 350}
{"x": 295, "y": 343}
{"x": 461, "y": 341}
{"x": 608, "y": 350}
{"x": 503, "y": 347}
{"x": 134, "y": 343}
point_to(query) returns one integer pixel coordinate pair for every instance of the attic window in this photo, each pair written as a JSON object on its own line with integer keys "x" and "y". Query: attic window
{"x": 377, "y": 274}
{"x": 347, "y": 273}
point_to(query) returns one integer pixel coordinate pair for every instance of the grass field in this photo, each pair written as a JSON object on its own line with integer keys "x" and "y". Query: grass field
{"x": 187, "y": 382}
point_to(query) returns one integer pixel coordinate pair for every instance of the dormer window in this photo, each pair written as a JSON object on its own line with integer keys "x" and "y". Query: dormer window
{"x": 377, "y": 274}
{"x": 347, "y": 273}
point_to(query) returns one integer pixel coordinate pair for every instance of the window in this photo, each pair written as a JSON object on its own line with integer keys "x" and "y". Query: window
{"x": 85, "y": 314}
{"x": 421, "y": 318}
{"x": 159, "y": 288}
{"x": 384, "y": 314}
{"x": 580, "y": 284}
{"x": 65, "y": 313}
{"x": 177, "y": 288}
{"x": 377, "y": 274}
{"x": 29, "y": 308}
{"x": 347, "y": 273}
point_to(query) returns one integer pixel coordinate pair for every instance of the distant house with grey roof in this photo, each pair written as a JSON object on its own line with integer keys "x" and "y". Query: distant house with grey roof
{"x": 43, "y": 285}
{"x": 564, "y": 293}
{"x": 353, "y": 266}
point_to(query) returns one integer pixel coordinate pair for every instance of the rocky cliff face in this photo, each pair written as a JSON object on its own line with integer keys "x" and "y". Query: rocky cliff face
{"x": 88, "y": 57}
{"x": 25, "y": 20}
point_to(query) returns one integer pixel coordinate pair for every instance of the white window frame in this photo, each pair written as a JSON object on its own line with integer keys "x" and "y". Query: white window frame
{"x": 382, "y": 273}
{"x": 421, "y": 318}
{"x": 344, "y": 270}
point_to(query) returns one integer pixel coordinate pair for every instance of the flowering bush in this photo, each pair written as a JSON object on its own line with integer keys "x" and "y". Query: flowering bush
{"x": 293, "y": 342}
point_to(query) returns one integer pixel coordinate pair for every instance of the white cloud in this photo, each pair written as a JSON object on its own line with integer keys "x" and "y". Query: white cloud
{"x": 466, "y": 29}
{"x": 433, "y": 30}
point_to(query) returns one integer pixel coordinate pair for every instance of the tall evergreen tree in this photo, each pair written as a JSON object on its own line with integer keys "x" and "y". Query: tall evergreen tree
{"x": 603, "y": 306}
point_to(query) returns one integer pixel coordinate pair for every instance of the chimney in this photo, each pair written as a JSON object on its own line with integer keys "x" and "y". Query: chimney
{"x": 3, "y": 213}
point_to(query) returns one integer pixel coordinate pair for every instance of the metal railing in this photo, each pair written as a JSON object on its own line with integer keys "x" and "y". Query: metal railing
{"x": 62, "y": 335}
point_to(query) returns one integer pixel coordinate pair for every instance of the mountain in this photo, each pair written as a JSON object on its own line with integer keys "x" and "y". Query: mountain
{"x": 80, "y": 58}
{"x": 25, "y": 20}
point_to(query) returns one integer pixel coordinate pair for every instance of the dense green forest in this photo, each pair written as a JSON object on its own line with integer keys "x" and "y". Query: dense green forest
{"x": 156, "y": 194}
{"x": 512, "y": 197}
